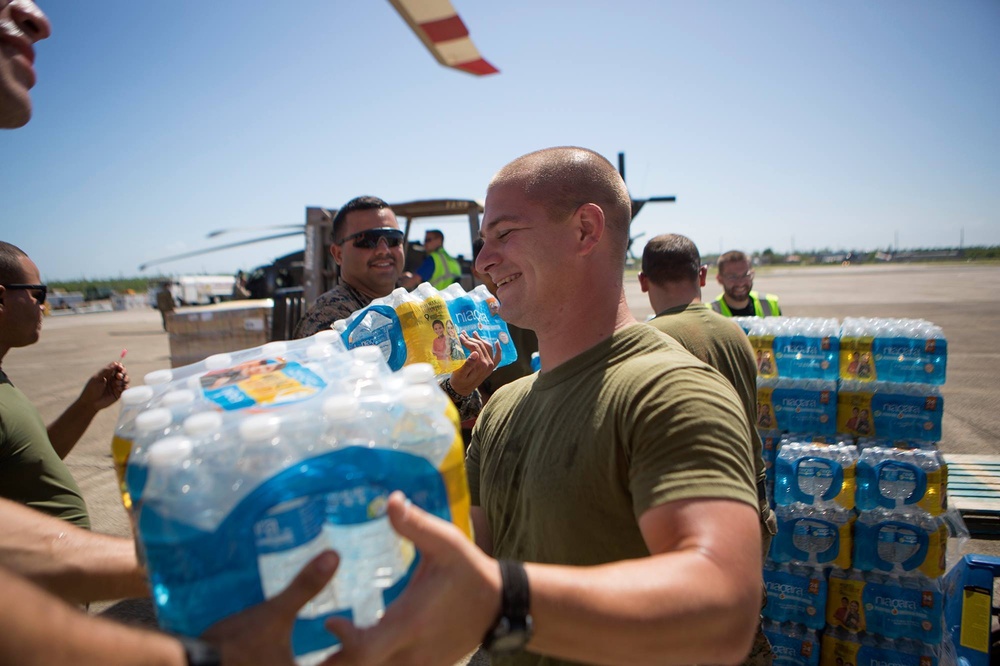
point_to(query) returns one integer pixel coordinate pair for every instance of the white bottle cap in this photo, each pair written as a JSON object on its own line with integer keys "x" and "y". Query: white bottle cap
{"x": 169, "y": 452}
{"x": 341, "y": 407}
{"x": 218, "y": 361}
{"x": 179, "y": 397}
{"x": 259, "y": 427}
{"x": 158, "y": 377}
{"x": 137, "y": 395}
{"x": 153, "y": 419}
{"x": 418, "y": 397}
{"x": 276, "y": 348}
{"x": 329, "y": 336}
{"x": 367, "y": 354}
{"x": 418, "y": 373}
{"x": 319, "y": 352}
{"x": 202, "y": 423}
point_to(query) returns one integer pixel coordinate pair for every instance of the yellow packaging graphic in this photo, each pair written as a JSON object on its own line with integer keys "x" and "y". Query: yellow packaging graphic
{"x": 763, "y": 347}
{"x": 856, "y": 359}
{"x": 836, "y": 652}
{"x": 765, "y": 408}
{"x": 854, "y": 413}
{"x": 453, "y": 474}
{"x": 430, "y": 334}
{"x": 844, "y": 606}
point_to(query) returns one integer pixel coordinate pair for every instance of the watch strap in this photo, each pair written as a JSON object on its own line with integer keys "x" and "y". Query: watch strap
{"x": 516, "y": 599}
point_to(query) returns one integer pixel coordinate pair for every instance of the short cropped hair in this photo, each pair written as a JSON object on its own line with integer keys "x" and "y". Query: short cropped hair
{"x": 563, "y": 179}
{"x": 671, "y": 258}
{"x": 357, "y": 203}
{"x": 11, "y": 269}
{"x": 434, "y": 232}
{"x": 731, "y": 256}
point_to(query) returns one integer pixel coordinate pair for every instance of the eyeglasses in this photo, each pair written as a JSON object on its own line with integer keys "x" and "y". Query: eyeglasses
{"x": 40, "y": 290}
{"x": 369, "y": 238}
{"x": 728, "y": 277}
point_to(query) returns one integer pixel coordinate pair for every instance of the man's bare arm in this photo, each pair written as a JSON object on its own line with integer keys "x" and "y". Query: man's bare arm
{"x": 75, "y": 564}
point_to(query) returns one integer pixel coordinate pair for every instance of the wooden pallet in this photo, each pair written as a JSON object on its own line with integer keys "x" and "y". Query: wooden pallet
{"x": 974, "y": 489}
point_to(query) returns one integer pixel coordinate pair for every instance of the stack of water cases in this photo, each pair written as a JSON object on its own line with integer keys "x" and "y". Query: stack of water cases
{"x": 850, "y": 417}
{"x": 797, "y": 369}
{"x": 239, "y": 469}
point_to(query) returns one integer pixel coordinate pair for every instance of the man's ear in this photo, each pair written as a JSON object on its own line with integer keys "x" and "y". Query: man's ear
{"x": 643, "y": 282}
{"x": 702, "y": 276}
{"x": 590, "y": 225}
{"x": 335, "y": 251}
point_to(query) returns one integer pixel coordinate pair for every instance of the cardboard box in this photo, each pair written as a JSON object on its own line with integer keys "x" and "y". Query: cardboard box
{"x": 198, "y": 332}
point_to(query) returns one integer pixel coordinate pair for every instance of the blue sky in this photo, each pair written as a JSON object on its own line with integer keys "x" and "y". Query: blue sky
{"x": 790, "y": 125}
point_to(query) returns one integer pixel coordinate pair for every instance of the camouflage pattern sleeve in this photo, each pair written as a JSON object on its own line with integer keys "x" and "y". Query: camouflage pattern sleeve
{"x": 338, "y": 303}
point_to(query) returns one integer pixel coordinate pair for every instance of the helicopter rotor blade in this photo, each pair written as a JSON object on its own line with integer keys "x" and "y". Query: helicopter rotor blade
{"x": 195, "y": 253}
{"x": 219, "y": 232}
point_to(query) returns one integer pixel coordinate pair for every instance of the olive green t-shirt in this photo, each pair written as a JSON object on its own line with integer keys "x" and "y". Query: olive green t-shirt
{"x": 720, "y": 342}
{"x": 31, "y": 472}
{"x": 565, "y": 462}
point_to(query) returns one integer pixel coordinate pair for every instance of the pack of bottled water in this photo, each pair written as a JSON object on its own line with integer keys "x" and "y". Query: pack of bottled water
{"x": 893, "y": 350}
{"x": 813, "y": 535}
{"x": 241, "y": 472}
{"x": 815, "y": 474}
{"x": 890, "y": 605}
{"x": 890, "y": 410}
{"x": 843, "y": 647}
{"x": 792, "y": 644}
{"x": 423, "y": 326}
{"x": 797, "y": 405}
{"x": 895, "y": 478}
{"x": 794, "y": 347}
{"x": 900, "y": 542}
{"x": 795, "y": 594}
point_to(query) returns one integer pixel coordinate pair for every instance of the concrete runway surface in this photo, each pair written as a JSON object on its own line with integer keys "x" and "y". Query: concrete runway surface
{"x": 962, "y": 299}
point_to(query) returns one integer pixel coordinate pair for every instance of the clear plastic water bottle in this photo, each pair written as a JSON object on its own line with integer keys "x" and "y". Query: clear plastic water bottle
{"x": 134, "y": 401}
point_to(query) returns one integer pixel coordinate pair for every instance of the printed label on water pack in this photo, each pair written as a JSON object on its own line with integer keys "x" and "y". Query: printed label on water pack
{"x": 430, "y": 334}
{"x": 763, "y": 348}
{"x": 856, "y": 359}
{"x": 260, "y": 383}
{"x": 845, "y": 606}
{"x": 377, "y": 326}
{"x": 795, "y": 598}
{"x": 803, "y": 410}
{"x": 802, "y": 357}
{"x": 793, "y": 650}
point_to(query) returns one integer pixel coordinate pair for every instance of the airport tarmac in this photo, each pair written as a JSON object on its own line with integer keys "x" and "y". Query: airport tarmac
{"x": 962, "y": 299}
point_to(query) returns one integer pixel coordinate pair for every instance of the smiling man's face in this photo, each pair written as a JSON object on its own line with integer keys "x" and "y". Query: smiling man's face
{"x": 22, "y": 24}
{"x": 372, "y": 271}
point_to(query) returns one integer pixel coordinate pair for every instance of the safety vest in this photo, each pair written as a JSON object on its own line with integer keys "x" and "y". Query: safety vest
{"x": 446, "y": 269}
{"x": 768, "y": 307}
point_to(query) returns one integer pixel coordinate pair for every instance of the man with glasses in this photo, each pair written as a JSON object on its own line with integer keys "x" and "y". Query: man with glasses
{"x": 439, "y": 268}
{"x": 32, "y": 470}
{"x": 738, "y": 298}
{"x": 368, "y": 247}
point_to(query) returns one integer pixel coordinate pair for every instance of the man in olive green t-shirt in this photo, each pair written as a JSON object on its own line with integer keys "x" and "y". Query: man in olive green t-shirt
{"x": 616, "y": 487}
{"x": 32, "y": 470}
{"x": 673, "y": 275}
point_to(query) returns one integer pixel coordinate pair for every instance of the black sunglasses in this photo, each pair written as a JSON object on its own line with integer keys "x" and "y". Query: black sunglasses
{"x": 40, "y": 290}
{"x": 369, "y": 238}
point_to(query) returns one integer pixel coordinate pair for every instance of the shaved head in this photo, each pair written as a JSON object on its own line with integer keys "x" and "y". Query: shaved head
{"x": 563, "y": 179}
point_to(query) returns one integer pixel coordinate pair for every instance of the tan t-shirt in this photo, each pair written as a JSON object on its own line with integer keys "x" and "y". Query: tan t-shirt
{"x": 564, "y": 463}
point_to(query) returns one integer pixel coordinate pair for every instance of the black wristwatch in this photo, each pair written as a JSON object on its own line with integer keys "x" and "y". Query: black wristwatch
{"x": 513, "y": 627}
{"x": 199, "y": 653}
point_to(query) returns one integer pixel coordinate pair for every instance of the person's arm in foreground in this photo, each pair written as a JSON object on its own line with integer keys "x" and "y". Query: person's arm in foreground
{"x": 695, "y": 600}
{"x": 75, "y": 564}
{"x": 100, "y": 391}
{"x": 259, "y": 635}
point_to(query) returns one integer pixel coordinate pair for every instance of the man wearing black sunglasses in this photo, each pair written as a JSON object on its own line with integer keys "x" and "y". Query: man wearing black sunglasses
{"x": 368, "y": 247}
{"x": 32, "y": 470}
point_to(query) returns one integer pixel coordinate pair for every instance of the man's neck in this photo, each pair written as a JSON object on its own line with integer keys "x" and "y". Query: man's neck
{"x": 574, "y": 332}
{"x": 370, "y": 294}
{"x": 673, "y": 295}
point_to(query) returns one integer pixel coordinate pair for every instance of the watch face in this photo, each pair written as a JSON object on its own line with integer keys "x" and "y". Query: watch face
{"x": 507, "y": 638}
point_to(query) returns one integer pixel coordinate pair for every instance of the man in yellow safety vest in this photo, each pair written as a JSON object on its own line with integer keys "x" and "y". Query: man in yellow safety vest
{"x": 738, "y": 298}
